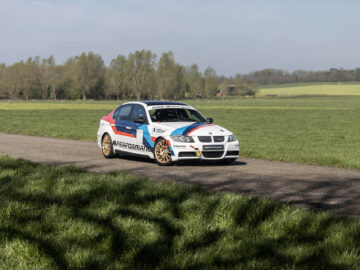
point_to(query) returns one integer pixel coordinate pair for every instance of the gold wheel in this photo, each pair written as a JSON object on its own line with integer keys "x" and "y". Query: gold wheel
{"x": 162, "y": 152}
{"x": 106, "y": 146}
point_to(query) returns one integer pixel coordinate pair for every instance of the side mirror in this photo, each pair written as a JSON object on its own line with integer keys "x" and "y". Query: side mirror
{"x": 210, "y": 120}
{"x": 140, "y": 120}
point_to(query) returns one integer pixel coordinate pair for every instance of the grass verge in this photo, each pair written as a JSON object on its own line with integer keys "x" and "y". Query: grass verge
{"x": 320, "y": 131}
{"x": 65, "y": 218}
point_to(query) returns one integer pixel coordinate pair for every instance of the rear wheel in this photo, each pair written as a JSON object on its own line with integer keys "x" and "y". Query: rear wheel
{"x": 162, "y": 153}
{"x": 107, "y": 146}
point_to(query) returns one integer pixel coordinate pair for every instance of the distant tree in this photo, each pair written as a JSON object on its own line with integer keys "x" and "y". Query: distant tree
{"x": 224, "y": 87}
{"x": 165, "y": 75}
{"x": 87, "y": 72}
{"x": 170, "y": 78}
{"x": 3, "y": 90}
{"x": 180, "y": 82}
{"x": 61, "y": 87}
{"x": 31, "y": 78}
{"x": 115, "y": 80}
{"x": 357, "y": 74}
{"x": 139, "y": 69}
{"x": 48, "y": 77}
{"x": 195, "y": 81}
{"x": 211, "y": 87}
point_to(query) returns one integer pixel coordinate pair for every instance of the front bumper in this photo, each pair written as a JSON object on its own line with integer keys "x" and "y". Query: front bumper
{"x": 205, "y": 151}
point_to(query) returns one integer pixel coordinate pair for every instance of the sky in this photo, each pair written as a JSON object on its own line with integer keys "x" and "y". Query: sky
{"x": 230, "y": 36}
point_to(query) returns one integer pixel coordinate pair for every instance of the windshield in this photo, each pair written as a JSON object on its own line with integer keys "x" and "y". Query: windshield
{"x": 176, "y": 115}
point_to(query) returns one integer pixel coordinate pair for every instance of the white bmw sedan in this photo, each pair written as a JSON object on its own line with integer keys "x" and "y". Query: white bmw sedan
{"x": 165, "y": 131}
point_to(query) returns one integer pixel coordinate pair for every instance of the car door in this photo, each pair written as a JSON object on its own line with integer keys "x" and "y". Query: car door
{"x": 143, "y": 137}
{"x": 124, "y": 129}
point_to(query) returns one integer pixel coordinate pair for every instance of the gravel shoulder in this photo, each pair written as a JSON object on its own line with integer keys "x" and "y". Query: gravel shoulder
{"x": 307, "y": 186}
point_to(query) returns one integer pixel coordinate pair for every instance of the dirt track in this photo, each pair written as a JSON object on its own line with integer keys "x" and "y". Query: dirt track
{"x": 302, "y": 185}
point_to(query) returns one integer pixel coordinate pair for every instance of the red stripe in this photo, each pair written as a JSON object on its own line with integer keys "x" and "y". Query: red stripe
{"x": 108, "y": 118}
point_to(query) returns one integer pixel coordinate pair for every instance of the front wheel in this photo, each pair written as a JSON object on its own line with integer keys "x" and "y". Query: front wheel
{"x": 162, "y": 153}
{"x": 107, "y": 146}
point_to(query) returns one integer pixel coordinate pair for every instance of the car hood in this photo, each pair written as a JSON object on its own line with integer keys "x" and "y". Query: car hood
{"x": 193, "y": 128}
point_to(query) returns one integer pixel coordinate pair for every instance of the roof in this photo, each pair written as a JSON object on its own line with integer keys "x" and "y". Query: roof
{"x": 157, "y": 102}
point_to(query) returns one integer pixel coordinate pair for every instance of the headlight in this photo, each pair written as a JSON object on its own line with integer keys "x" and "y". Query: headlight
{"x": 232, "y": 138}
{"x": 182, "y": 138}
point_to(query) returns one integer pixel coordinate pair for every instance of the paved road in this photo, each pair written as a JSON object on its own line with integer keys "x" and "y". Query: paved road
{"x": 302, "y": 185}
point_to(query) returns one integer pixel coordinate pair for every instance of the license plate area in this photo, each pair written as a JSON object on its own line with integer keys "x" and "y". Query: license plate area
{"x": 213, "y": 147}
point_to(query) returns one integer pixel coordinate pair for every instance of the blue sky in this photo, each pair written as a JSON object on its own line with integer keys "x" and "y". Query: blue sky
{"x": 230, "y": 36}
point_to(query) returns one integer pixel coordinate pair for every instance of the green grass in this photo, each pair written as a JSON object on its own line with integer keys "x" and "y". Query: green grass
{"x": 311, "y": 89}
{"x": 322, "y": 131}
{"x": 65, "y": 218}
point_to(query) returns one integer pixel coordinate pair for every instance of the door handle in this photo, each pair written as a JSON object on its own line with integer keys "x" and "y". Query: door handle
{"x": 128, "y": 127}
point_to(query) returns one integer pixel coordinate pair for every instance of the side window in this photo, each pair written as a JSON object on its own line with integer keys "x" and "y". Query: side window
{"x": 193, "y": 115}
{"x": 153, "y": 115}
{"x": 139, "y": 112}
{"x": 123, "y": 113}
{"x": 116, "y": 113}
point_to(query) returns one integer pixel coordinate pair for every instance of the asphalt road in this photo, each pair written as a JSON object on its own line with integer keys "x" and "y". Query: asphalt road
{"x": 302, "y": 185}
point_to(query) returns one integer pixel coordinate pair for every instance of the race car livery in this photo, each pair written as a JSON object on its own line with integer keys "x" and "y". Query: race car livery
{"x": 165, "y": 131}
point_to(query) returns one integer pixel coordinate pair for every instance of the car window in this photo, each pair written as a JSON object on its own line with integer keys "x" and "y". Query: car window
{"x": 138, "y": 112}
{"x": 176, "y": 115}
{"x": 123, "y": 112}
{"x": 116, "y": 113}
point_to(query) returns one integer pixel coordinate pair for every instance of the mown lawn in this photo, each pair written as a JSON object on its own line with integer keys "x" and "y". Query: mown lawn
{"x": 322, "y": 131}
{"x": 65, "y": 218}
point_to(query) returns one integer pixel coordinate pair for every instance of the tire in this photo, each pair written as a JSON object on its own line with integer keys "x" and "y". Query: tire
{"x": 162, "y": 153}
{"x": 107, "y": 146}
{"x": 227, "y": 161}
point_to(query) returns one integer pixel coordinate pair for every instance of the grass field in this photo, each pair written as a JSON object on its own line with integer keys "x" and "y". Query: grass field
{"x": 64, "y": 218}
{"x": 310, "y": 89}
{"x": 323, "y": 131}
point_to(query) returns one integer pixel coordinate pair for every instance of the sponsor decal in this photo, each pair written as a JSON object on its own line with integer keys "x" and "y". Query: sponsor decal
{"x": 131, "y": 146}
{"x": 159, "y": 130}
{"x": 179, "y": 146}
{"x": 168, "y": 107}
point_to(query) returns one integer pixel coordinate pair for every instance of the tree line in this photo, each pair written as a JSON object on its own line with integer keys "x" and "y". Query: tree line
{"x": 277, "y": 76}
{"x": 136, "y": 76}
{"x": 141, "y": 76}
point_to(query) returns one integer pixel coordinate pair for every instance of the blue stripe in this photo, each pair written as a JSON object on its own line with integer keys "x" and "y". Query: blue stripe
{"x": 147, "y": 141}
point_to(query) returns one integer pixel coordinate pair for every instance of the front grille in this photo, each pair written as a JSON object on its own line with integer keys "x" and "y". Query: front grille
{"x": 204, "y": 138}
{"x": 213, "y": 154}
{"x": 232, "y": 153}
{"x": 218, "y": 138}
{"x": 187, "y": 154}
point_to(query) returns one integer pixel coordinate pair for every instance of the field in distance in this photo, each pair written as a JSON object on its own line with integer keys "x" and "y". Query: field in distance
{"x": 311, "y": 89}
{"x": 321, "y": 131}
